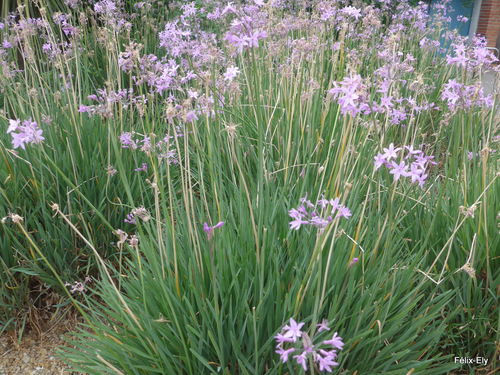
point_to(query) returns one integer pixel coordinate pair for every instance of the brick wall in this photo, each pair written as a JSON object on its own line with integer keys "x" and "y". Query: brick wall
{"x": 489, "y": 21}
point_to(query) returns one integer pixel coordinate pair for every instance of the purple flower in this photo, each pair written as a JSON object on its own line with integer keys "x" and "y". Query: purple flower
{"x": 130, "y": 219}
{"x": 127, "y": 141}
{"x": 399, "y": 170}
{"x": 318, "y": 222}
{"x": 344, "y": 212}
{"x": 335, "y": 204}
{"x": 415, "y": 172}
{"x": 323, "y": 202}
{"x": 229, "y": 8}
{"x": 411, "y": 151}
{"x": 326, "y": 363}
{"x": 391, "y": 152}
{"x": 13, "y": 125}
{"x": 353, "y": 262}
{"x": 353, "y": 12}
{"x": 295, "y": 214}
{"x": 306, "y": 347}
{"x": 143, "y": 168}
{"x": 301, "y": 359}
{"x": 191, "y": 116}
{"x": 379, "y": 160}
{"x": 335, "y": 341}
{"x": 293, "y": 330}
{"x": 281, "y": 339}
{"x": 209, "y": 230}
{"x": 323, "y": 326}
{"x": 231, "y": 73}
{"x": 297, "y": 223}
{"x": 284, "y": 353}
{"x": 27, "y": 133}
{"x": 386, "y": 102}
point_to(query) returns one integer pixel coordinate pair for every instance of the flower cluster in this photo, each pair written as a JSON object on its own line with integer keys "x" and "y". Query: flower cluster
{"x": 139, "y": 212}
{"x": 291, "y": 334}
{"x": 164, "y": 148}
{"x": 351, "y": 95}
{"x": 301, "y": 215}
{"x": 458, "y": 95}
{"x": 28, "y": 132}
{"x": 78, "y": 286}
{"x": 245, "y": 31}
{"x": 415, "y": 169}
{"x": 133, "y": 241}
{"x": 472, "y": 55}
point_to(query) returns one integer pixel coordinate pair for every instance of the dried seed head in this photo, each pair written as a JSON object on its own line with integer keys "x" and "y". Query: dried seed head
{"x": 141, "y": 213}
{"x": 16, "y": 218}
{"x": 469, "y": 270}
{"x": 468, "y": 211}
{"x": 111, "y": 171}
{"x": 133, "y": 242}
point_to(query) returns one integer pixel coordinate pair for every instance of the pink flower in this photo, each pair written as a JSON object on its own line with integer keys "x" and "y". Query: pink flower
{"x": 326, "y": 363}
{"x": 336, "y": 341}
{"x": 297, "y": 223}
{"x": 293, "y": 330}
{"x": 209, "y": 230}
{"x": 301, "y": 359}
{"x": 284, "y": 353}
{"x": 399, "y": 170}
{"x": 344, "y": 212}
{"x": 231, "y": 73}
{"x": 27, "y": 133}
{"x": 379, "y": 160}
{"x": 13, "y": 125}
{"x": 391, "y": 152}
{"x": 323, "y": 326}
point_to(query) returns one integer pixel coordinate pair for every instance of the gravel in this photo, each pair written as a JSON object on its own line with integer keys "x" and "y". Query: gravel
{"x": 35, "y": 355}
